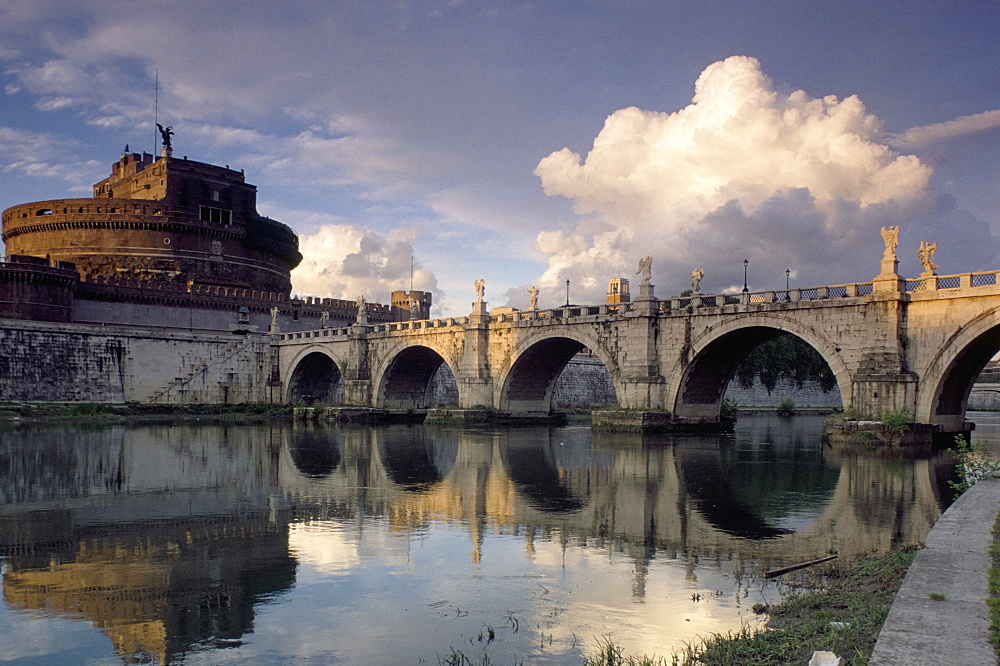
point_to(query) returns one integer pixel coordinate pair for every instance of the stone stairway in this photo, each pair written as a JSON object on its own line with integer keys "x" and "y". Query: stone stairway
{"x": 202, "y": 366}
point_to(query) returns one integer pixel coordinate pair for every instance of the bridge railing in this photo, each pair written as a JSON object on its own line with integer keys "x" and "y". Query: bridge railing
{"x": 959, "y": 281}
{"x": 674, "y": 305}
{"x": 765, "y": 297}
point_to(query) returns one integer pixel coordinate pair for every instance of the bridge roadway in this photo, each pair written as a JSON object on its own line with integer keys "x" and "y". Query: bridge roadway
{"x": 892, "y": 343}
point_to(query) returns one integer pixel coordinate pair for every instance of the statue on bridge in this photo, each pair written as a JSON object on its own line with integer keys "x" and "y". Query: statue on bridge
{"x": 533, "y": 295}
{"x": 362, "y": 311}
{"x": 890, "y": 236}
{"x": 926, "y": 254}
{"x": 646, "y": 268}
{"x": 696, "y": 276}
{"x": 480, "y": 290}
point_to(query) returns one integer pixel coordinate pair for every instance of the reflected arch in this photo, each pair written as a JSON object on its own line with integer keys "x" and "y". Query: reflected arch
{"x": 537, "y": 475}
{"x": 413, "y": 460}
{"x": 528, "y": 384}
{"x": 757, "y": 492}
{"x": 316, "y": 453}
{"x": 315, "y": 379}
{"x": 696, "y": 391}
{"x": 411, "y": 377}
{"x": 947, "y": 381}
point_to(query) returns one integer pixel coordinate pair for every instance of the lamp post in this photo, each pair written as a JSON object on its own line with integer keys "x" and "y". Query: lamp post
{"x": 745, "y": 262}
{"x": 567, "y": 292}
{"x": 788, "y": 271}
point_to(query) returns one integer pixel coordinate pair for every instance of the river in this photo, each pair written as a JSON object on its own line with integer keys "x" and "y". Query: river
{"x": 205, "y": 543}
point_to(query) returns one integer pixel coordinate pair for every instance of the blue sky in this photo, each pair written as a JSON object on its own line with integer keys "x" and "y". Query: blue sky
{"x": 699, "y": 133}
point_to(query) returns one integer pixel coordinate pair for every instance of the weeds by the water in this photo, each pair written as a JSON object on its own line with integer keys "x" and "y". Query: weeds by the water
{"x": 972, "y": 462}
{"x": 844, "y": 617}
{"x": 993, "y": 599}
{"x": 102, "y": 411}
{"x": 610, "y": 654}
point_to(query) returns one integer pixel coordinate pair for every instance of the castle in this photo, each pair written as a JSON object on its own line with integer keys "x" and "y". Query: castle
{"x": 169, "y": 241}
{"x": 166, "y": 286}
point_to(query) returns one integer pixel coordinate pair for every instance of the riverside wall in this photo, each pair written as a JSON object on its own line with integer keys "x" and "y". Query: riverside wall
{"x": 115, "y": 364}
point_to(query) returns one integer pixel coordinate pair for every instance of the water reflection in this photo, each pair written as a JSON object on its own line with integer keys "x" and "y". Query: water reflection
{"x": 207, "y": 543}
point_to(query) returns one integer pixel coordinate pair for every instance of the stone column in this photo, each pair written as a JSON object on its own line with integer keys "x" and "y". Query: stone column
{"x": 357, "y": 377}
{"x": 475, "y": 381}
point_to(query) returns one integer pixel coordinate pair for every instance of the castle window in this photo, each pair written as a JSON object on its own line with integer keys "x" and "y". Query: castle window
{"x": 216, "y": 215}
{"x": 43, "y": 211}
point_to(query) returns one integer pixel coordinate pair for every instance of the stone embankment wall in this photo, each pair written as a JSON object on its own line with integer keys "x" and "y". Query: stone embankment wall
{"x": 809, "y": 395}
{"x": 985, "y": 396}
{"x": 73, "y": 363}
{"x": 586, "y": 381}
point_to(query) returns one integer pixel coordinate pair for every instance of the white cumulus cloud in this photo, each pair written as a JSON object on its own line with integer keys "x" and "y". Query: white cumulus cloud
{"x": 746, "y": 171}
{"x": 345, "y": 261}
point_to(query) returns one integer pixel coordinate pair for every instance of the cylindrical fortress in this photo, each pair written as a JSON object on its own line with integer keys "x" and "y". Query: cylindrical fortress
{"x": 161, "y": 220}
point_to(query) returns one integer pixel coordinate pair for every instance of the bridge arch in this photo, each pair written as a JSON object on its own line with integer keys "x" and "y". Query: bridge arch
{"x": 405, "y": 380}
{"x": 947, "y": 380}
{"x": 695, "y": 389}
{"x": 314, "y": 377}
{"x": 528, "y": 381}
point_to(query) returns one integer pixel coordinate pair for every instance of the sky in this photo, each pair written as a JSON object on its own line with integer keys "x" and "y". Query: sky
{"x": 530, "y": 143}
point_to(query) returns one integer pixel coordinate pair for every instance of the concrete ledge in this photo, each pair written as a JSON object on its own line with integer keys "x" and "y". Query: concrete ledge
{"x": 955, "y": 630}
{"x": 640, "y": 420}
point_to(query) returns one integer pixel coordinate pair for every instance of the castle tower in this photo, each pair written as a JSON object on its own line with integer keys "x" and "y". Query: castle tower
{"x": 618, "y": 291}
{"x": 161, "y": 220}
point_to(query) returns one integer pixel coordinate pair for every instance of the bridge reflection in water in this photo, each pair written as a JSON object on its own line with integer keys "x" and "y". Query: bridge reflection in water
{"x": 174, "y": 542}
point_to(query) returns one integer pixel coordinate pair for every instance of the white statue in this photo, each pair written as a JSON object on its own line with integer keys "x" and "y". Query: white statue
{"x": 274, "y": 317}
{"x": 480, "y": 290}
{"x": 926, "y": 254}
{"x": 890, "y": 236}
{"x": 533, "y": 295}
{"x": 362, "y": 310}
{"x": 646, "y": 268}
{"x": 324, "y": 319}
{"x": 696, "y": 276}
{"x": 414, "y": 304}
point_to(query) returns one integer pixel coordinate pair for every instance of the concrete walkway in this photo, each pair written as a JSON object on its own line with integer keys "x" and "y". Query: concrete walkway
{"x": 954, "y": 563}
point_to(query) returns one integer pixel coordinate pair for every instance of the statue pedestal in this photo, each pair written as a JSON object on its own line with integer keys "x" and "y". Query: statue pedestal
{"x": 479, "y": 308}
{"x": 888, "y": 282}
{"x": 889, "y": 267}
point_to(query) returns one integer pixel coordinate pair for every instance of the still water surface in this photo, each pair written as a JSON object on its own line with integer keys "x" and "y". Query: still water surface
{"x": 284, "y": 543}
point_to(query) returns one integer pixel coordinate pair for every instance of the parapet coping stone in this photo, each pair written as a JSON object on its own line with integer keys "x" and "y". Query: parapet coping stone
{"x": 954, "y": 565}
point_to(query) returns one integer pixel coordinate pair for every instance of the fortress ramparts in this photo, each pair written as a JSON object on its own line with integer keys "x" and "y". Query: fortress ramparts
{"x": 166, "y": 286}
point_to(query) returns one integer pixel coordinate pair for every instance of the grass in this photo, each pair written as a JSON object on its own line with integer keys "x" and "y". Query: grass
{"x": 98, "y": 411}
{"x": 844, "y": 616}
{"x": 993, "y": 596}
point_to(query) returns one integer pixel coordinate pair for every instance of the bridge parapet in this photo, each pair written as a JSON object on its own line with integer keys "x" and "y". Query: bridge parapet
{"x": 958, "y": 281}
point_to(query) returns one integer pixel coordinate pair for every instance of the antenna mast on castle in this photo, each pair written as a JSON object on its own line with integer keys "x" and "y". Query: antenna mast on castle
{"x": 156, "y": 108}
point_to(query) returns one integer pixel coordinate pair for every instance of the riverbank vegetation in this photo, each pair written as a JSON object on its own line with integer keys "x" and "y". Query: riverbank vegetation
{"x": 842, "y": 614}
{"x": 99, "y": 411}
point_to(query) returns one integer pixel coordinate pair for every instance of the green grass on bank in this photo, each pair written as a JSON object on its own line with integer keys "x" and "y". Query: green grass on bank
{"x": 993, "y": 599}
{"x": 844, "y": 616}
{"x": 99, "y": 411}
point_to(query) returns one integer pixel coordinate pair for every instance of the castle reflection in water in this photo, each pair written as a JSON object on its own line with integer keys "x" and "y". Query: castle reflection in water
{"x": 168, "y": 537}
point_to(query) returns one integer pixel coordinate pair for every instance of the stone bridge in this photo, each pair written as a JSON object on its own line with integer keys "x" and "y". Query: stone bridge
{"x": 892, "y": 343}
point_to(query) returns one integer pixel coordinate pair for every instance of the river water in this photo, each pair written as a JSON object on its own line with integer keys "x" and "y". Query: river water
{"x": 207, "y": 543}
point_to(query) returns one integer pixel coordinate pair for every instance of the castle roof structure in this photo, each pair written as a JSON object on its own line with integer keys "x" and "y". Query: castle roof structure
{"x": 161, "y": 220}
{"x": 170, "y": 242}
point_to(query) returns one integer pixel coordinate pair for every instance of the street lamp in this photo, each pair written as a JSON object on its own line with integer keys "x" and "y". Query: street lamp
{"x": 745, "y": 262}
{"x": 788, "y": 271}
{"x": 567, "y": 292}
